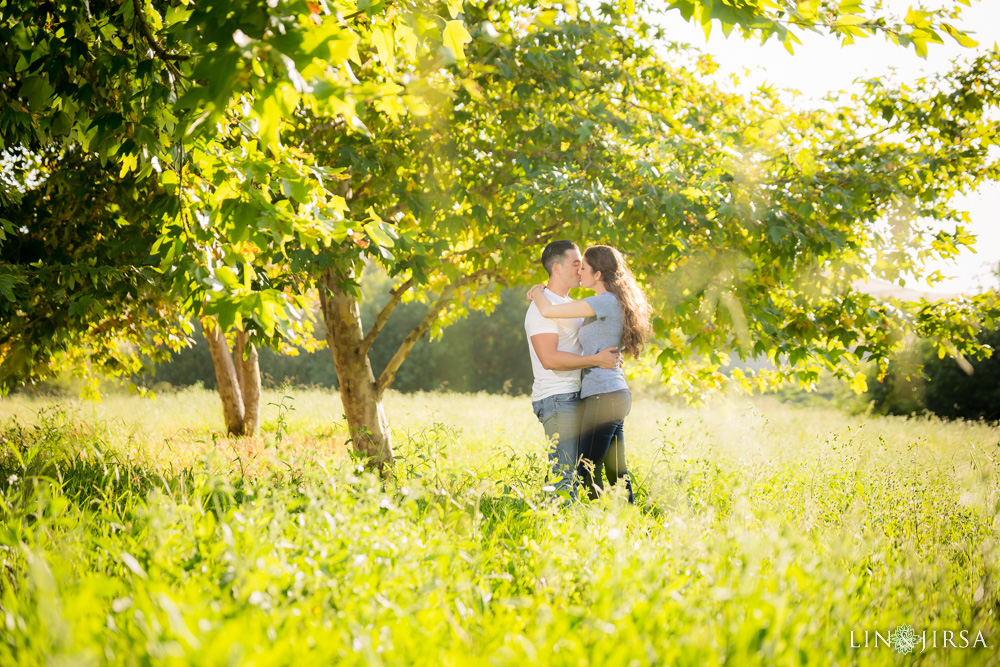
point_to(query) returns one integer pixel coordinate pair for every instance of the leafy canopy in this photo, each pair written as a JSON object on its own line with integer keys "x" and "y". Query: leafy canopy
{"x": 446, "y": 141}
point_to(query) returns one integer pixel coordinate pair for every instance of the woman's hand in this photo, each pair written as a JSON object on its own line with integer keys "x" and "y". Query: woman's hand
{"x": 532, "y": 289}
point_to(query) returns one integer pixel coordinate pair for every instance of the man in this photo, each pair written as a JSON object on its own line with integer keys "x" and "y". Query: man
{"x": 556, "y": 360}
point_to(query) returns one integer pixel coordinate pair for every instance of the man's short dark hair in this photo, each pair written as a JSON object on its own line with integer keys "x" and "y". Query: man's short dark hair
{"x": 555, "y": 252}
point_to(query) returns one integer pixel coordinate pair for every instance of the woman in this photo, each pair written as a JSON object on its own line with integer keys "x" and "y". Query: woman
{"x": 617, "y": 315}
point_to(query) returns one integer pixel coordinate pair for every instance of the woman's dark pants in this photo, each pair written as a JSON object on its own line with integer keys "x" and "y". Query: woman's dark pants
{"x": 602, "y": 441}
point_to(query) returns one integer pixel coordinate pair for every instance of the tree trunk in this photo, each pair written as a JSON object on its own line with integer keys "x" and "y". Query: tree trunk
{"x": 248, "y": 375}
{"x": 238, "y": 379}
{"x": 225, "y": 378}
{"x": 359, "y": 392}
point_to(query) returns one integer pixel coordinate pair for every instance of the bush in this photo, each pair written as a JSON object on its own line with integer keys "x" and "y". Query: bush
{"x": 953, "y": 393}
{"x": 918, "y": 380}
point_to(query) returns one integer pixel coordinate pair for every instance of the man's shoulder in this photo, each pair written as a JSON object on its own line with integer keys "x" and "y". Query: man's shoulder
{"x": 556, "y": 298}
{"x": 535, "y": 322}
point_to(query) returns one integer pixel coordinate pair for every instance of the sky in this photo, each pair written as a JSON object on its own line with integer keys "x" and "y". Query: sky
{"x": 821, "y": 66}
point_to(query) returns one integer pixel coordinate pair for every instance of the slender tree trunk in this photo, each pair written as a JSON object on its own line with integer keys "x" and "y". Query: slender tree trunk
{"x": 225, "y": 378}
{"x": 248, "y": 374}
{"x": 359, "y": 392}
{"x": 238, "y": 379}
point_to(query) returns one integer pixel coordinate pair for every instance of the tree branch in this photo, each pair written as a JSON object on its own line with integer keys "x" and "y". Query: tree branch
{"x": 418, "y": 332}
{"x": 383, "y": 316}
{"x": 140, "y": 14}
{"x": 398, "y": 208}
{"x": 356, "y": 194}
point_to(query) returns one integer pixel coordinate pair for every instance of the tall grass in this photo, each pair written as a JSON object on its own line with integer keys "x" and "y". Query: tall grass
{"x": 134, "y": 533}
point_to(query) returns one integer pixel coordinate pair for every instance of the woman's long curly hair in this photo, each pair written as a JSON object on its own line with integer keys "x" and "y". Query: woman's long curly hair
{"x": 619, "y": 281}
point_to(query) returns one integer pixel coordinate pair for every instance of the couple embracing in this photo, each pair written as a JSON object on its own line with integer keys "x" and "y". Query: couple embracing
{"x": 579, "y": 393}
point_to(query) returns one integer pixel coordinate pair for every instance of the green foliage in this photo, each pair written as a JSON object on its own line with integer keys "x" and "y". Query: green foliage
{"x": 747, "y": 221}
{"x": 901, "y": 390}
{"x": 189, "y": 99}
{"x": 481, "y": 352}
{"x": 78, "y": 287}
{"x": 478, "y": 353}
{"x": 923, "y": 377}
{"x": 290, "y": 140}
{"x": 759, "y": 537}
{"x": 953, "y": 392}
{"x": 846, "y": 20}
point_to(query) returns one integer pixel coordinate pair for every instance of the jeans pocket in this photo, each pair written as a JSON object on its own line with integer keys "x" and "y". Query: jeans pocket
{"x": 621, "y": 405}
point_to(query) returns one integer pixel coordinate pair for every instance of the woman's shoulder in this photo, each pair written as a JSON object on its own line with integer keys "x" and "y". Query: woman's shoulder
{"x": 609, "y": 298}
{"x": 605, "y": 304}
{"x": 605, "y": 296}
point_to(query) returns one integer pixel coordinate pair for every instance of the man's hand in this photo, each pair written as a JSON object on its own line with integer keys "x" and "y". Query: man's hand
{"x": 609, "y": 358}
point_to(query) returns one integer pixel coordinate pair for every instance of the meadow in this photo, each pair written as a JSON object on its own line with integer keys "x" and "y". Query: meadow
{"x": 133, "y": 532}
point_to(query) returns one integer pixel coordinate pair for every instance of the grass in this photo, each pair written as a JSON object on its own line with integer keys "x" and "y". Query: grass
{"x": 134, "y": 533}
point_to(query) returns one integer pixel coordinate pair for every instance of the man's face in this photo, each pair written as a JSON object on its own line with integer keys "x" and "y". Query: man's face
{"x": 570, "y": 267}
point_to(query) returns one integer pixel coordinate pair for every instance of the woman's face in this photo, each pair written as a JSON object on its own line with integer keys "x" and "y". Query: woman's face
{"x": 587, "y": 278}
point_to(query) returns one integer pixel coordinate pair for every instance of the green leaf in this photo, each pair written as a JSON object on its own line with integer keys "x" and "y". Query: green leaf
{"x": 249, "y": 275}
{"x": 917, "y": 18}
{"x": 269, "y": 121}
{"x": 455, "y": 37}
{"x": 227, "y": 276}
{"x": 295, "y": 188}
{"x": 850, "y": 19}
{"x": 169, "y": 180}
{"x": 385, "y": 44}
{"x": 226, "y": 312}
{"x": 959, "y": 36}
{"x": 376, "y": 234}
{"x": 408, "y": 38}
{"x": 7, "y": 288}
{"x": 265, "y": 312}
{"x": 244, "y": 217}
{"x": 37, "y": 91}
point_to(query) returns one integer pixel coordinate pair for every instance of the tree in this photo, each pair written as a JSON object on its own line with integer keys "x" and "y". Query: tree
{"x": 165, "y": 97}
{"x": 79, "y": 287}
{"x": 966, "y": 391}
{"x": 920, "y": 380}
{"x": 922, "y": 376}
{"x": 763, "y": 218}
{"x": 303, "y": 140}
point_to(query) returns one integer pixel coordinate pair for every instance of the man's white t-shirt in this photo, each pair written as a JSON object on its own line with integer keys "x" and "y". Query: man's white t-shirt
{"x": 550, "y": 382}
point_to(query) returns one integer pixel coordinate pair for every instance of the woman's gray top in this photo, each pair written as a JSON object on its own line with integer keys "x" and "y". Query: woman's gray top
{"x": 598, "y": 332}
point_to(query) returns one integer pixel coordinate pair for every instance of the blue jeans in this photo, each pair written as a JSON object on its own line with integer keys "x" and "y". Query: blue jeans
{"x": 560, "y": 416}
{"x": 602, "y": 441}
